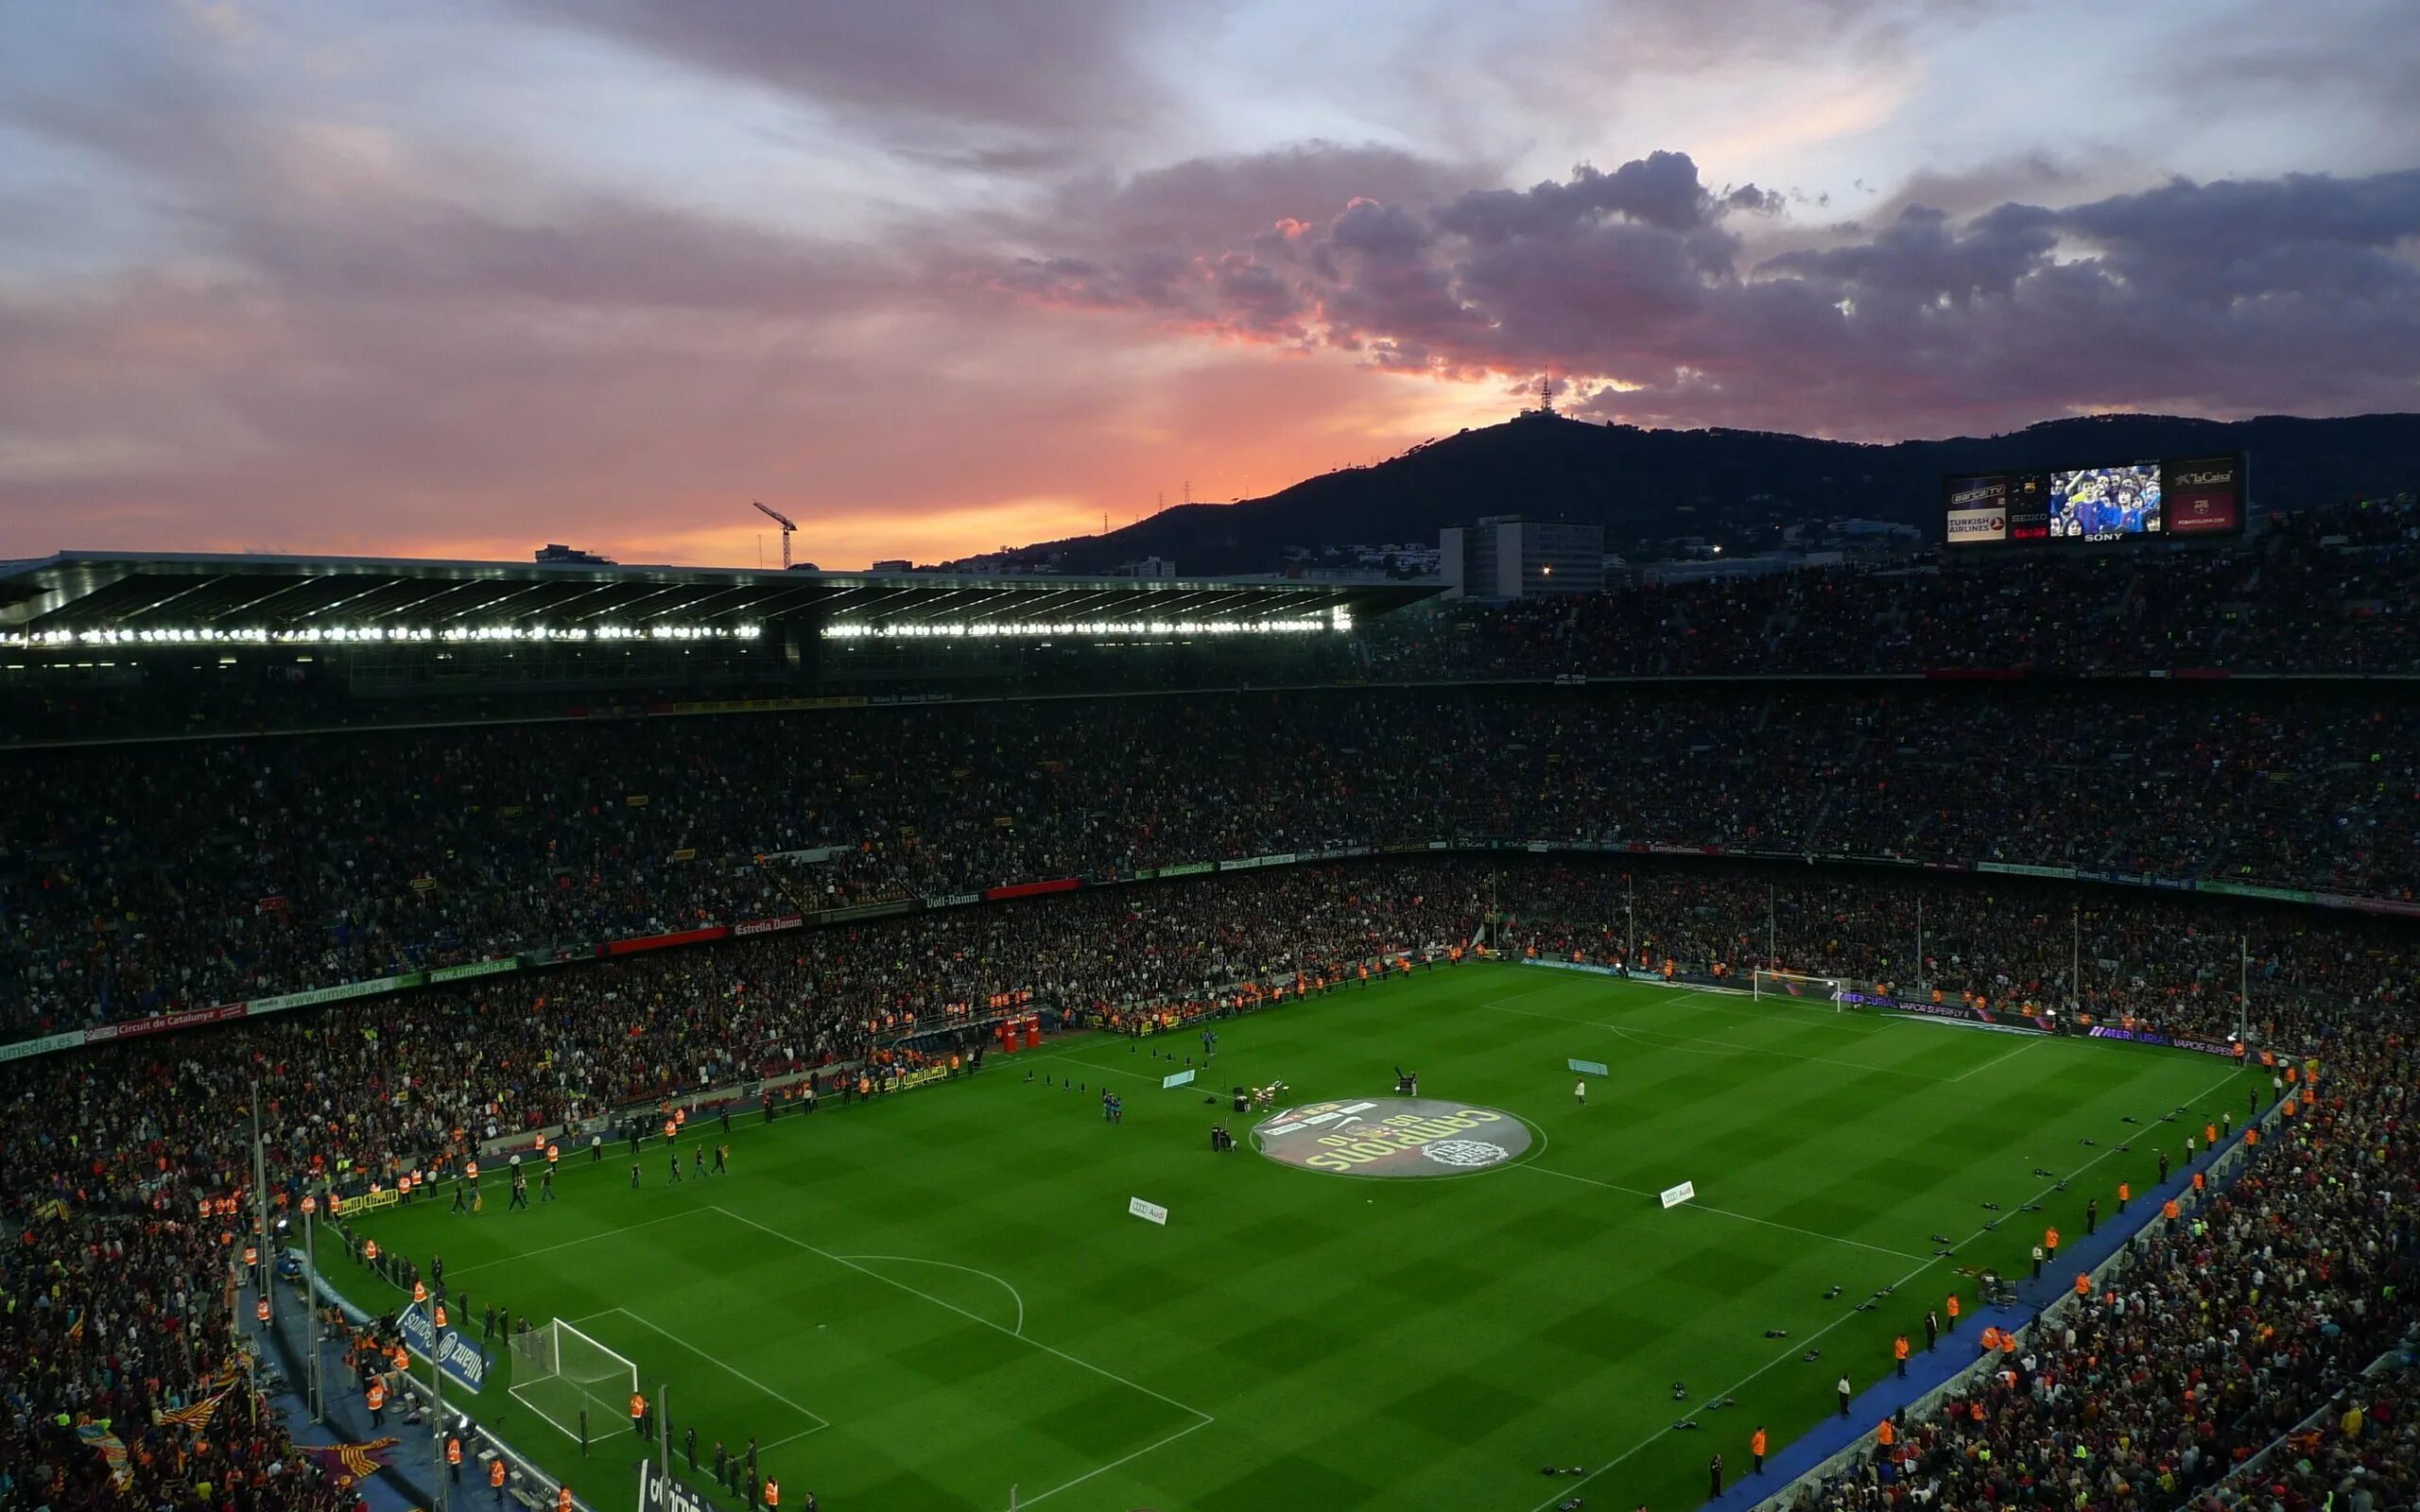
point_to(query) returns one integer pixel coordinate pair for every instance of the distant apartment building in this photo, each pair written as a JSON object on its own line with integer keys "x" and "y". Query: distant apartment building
{"x": 1507, "y": 557}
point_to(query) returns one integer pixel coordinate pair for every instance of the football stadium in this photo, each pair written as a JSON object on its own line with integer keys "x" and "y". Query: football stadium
{"x": 1290, "y": 1045}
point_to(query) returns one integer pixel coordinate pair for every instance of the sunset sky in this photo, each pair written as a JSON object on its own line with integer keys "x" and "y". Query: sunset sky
{"x": 456, "y": 278}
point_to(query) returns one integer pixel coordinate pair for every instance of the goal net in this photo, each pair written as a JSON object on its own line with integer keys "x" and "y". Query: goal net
{"x": 1798, "y": 987}
{"x": 559, "y": 1373}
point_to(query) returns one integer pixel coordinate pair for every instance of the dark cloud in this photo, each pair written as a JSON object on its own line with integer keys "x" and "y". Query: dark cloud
{"x": 1036, "y": 66}
{"x": 2230, "y": 297}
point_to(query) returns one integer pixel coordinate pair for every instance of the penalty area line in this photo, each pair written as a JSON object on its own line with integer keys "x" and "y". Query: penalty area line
{"x": 821, "y": 1422}
{"x": 1104, "y": 1470}
{"x": 972, "y": 1318}
{"x": 568, "y": 1244}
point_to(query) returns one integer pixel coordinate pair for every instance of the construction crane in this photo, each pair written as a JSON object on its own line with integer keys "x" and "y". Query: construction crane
{"x": 789, "y": 528}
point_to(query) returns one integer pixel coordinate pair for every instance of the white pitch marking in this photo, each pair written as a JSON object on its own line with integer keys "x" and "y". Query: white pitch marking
{"x": 911, "y": 1259}
{"x": 1547, "y": 1505}
{"x": 820, "y": 1421}
{"x": 588, "y": 1239}
{"x": 972, "y": 1318}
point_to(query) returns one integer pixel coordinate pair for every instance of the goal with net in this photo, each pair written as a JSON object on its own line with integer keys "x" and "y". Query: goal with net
{"x": 1798, "y": 987}
{"x": 560, "y": 1373}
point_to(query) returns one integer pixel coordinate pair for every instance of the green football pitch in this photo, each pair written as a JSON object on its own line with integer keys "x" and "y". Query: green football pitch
{"x": 926, "y": 1301}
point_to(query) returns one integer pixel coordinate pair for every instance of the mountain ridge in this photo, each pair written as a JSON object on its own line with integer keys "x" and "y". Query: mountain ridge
{"x": 1650, "y": 486}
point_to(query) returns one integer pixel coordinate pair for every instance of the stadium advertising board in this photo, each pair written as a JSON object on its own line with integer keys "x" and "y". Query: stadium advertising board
{"x": 2180, "y": 1041}
{"x": 2206, "y": 496}
{"x": 102, "y": 1034}
{"x": 460, "y": 1359}
{"x": 2140, "y": 500}
{"x": 472, "y": 968}
{"x": 660, "y": 1492}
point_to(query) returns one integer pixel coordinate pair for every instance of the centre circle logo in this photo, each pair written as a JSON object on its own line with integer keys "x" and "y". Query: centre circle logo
{"x": 1393, "y": 1137}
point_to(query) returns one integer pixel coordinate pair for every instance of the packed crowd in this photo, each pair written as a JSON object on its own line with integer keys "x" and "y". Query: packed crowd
{"x": 183, "y": 875}
{"x": 117, "y": 1308}
{"x": 2323, "y": 590}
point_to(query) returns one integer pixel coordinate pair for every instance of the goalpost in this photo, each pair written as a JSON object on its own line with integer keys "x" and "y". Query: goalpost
{"x": 558, "y": 1372}
{"x": 1798, "y": 987}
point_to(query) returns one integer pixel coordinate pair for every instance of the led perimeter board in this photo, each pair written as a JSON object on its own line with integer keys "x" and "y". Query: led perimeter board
{"x": 2171, "y": 498}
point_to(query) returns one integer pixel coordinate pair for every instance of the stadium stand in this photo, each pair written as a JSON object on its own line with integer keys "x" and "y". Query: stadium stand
{"x": 178, "y": 875}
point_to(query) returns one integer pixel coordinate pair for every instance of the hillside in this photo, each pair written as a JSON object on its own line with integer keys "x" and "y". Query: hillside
{"x": 1646, "y": 485}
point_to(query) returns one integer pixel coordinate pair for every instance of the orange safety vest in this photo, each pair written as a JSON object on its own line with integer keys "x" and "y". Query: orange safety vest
{"x": 495, "y": 1471}
{"x": 1885, "y": 1435}
{"x": 377, "y": 1396}
{"x": 1991, "y": 1338}
{"x": 402, "y": 1360}
{"x": 1899, "y": 1348}
{"x": 772, "y": 1492}
{"x": 453, "y": 1451}
{"x": 2083, "y": 1284}
{"x": 2170, "y": 1211}
{"x": 1953, "y": 1304}
{"x": 563, "y": 1498}
{"x": 2201, "y": 1182}
{"x": 638, "y": 1406}
{"x": 2125, "y": 1191}
{"x": 1756, "y": 1445}
{"x": 2050, "y": 1238}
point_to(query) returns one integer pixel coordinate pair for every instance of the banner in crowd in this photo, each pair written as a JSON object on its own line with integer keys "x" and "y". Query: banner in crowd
{"x": 658, "y": 942}
{"x": 1030, "y": 890}
{"x": 2011, "y": 868}
{"x": 339, "y": 993}
{"x": 471, "y": 968}
{"x": 43, "y": 1046}
{"x": 1251, "y": 863}
{"x": 103, "y": 1034}
{"x": 748, "y": 928}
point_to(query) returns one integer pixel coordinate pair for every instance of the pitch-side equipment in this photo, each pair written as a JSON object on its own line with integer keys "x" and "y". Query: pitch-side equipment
{"x": 1807, "y": 991}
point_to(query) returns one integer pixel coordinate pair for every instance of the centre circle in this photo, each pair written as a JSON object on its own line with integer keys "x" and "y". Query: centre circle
{"x": 1393, "y": 1137}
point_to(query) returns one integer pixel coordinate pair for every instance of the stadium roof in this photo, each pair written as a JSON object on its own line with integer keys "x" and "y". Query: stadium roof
{"x": 137, "y": 597}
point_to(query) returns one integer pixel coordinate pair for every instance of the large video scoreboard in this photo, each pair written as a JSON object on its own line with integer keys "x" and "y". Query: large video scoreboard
{"x": 2173, "y": 498}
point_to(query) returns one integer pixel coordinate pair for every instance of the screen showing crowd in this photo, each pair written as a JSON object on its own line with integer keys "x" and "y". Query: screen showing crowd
{"x": 2118, "y": 501}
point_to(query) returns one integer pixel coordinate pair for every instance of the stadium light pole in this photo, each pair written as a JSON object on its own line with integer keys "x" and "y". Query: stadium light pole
{"x": 2243, "y": 989}
{"x": 2075, "y": 955}
{"x": 311, "y": 1267}
{"x": 261, "y": 1288}
{"x": 1773, "y": 953}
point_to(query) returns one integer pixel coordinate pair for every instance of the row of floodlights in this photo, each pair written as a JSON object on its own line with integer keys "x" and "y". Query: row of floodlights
{"x": 381, "y": 635}
{"x": 989, "y": 630}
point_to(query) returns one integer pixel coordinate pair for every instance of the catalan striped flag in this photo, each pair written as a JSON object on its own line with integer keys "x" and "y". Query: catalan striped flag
{"x": 358, "y": 1461}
